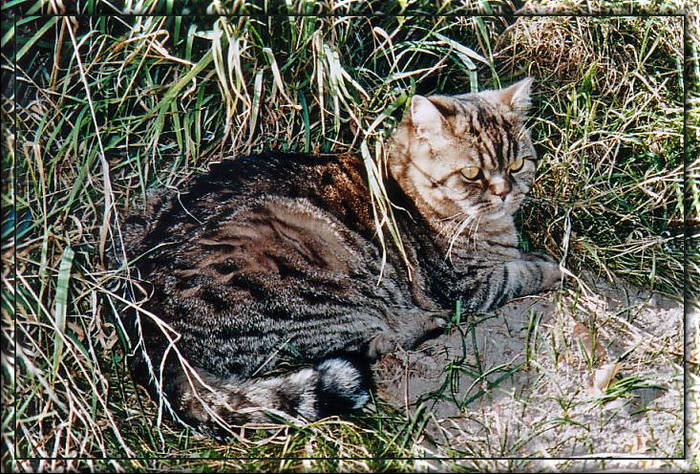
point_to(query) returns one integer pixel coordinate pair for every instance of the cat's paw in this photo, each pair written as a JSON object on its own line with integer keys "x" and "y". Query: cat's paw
{"x": 436, "y": 321}
{"x": 547, "y": 266}
{"x": 551, "y": 274}
{"x": 382, "y": 344}
{"x": 538, "y": 257}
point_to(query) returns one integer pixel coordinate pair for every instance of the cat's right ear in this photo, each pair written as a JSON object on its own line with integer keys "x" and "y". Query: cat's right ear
{"x": 517, "y": 96}
{"x": 426, "y": 118}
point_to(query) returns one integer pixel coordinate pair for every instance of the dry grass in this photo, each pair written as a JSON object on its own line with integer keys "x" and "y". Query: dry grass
{"x": 611, "y": 183}
{"x": 107, "y": 107}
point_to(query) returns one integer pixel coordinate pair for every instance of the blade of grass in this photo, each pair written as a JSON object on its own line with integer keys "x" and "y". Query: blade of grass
{"x": 60, "y": 307}
{"x": 28, "y": 45}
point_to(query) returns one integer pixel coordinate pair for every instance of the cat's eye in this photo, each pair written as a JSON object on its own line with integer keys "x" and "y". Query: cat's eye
{"x": 471, "y": 172}
{"x": 517, "y": 165}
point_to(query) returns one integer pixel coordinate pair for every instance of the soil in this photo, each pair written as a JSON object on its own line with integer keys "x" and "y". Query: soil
{"x": 570, "y": 373}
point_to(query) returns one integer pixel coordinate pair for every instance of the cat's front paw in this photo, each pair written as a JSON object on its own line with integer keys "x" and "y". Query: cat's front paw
{"x": 542, "y": 271}
{"x": 552, "y": 276}
{"x": 538, "y": 257}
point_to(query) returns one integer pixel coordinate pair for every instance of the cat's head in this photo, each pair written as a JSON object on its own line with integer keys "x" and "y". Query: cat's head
{"x": 465, "y": 155}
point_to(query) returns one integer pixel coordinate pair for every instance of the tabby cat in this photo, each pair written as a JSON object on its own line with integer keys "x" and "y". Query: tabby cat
{"x": 267, "y": 267}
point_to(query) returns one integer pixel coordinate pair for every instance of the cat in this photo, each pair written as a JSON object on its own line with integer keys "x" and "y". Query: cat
{"x": 271, "y": 261}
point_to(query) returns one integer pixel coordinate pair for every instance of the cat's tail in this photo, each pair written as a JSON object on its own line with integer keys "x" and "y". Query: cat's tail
{"x": 332, "y": 387}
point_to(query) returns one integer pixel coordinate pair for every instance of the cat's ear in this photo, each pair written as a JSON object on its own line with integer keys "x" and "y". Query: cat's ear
{"x": 426, "y": 118}
{"x": 517, "y": 96}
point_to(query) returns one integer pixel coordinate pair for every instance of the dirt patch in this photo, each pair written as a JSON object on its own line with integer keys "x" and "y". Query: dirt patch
{"x": 597, "y": 371}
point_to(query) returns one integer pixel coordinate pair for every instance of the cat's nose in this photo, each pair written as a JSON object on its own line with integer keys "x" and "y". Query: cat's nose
{"x": 503, "y": 195}
{"x": 500, "y": 189}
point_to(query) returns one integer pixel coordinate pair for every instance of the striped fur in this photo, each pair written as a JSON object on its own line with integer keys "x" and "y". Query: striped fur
{"x": 266, "y": 267}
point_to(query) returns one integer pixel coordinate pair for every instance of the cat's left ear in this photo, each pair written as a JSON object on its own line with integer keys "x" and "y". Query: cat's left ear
{"x": 517, "y": 96}
{"x": 425, "y": 116}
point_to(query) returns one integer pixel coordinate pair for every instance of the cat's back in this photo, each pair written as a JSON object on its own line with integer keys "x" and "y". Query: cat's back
{"x": 256, "y": 228}
{"x": 335, "y": 184}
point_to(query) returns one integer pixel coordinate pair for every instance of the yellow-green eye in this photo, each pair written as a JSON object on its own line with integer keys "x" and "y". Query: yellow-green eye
{"x": 517, "y": 165}
{"x": 471, "y": 172}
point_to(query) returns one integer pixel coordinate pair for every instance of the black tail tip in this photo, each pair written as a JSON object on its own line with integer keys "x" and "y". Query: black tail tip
{"x": 343, "y": 386}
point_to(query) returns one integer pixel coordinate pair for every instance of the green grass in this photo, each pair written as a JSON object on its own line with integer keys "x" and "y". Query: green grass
{"x": 121, "y": 105}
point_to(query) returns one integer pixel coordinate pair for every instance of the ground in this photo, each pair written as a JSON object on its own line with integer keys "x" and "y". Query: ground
{"x": 557, "y": 375}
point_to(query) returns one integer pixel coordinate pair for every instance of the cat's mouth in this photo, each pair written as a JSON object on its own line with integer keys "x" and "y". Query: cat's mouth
{"x": 497, "y": 214}
{"x": 492, "y": 210}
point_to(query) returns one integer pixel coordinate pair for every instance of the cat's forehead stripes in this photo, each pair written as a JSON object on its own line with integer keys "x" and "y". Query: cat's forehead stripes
{"x": 496, "y": 136}
{"x": 495, "y": 133}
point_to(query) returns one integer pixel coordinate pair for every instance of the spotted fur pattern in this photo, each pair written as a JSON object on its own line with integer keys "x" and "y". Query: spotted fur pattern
{"x": 266, "y": 267}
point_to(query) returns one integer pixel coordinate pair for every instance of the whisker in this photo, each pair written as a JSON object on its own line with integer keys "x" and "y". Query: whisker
{"x": 470, "y": 222}
{"x": 447, "y": 228}
{"x": 460, "y": 228}
{"x": 474, "y": 232}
